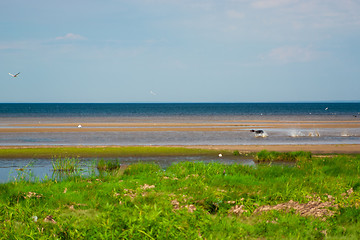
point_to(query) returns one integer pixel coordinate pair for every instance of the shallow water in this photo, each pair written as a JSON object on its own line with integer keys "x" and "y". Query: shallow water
{"x": 240, "y": 137}
{"x": 42, "y": 168}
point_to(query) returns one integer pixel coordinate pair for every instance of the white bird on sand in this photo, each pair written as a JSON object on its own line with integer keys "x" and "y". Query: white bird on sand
{"x": 14, "y": 75}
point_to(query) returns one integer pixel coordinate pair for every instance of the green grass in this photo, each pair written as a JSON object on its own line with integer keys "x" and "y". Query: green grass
{"x": 190, "y": 200}
{"x": 105, "y": 152}
{"x": 266, "y": 156}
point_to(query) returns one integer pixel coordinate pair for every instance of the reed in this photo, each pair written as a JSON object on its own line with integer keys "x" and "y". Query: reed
{"x": 25, "y": 173}
{"x": 108, "y": 165}
{"x": 66, "y": 165}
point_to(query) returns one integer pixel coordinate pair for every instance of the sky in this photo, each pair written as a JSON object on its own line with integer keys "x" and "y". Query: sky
{"x": 118, "y": 51}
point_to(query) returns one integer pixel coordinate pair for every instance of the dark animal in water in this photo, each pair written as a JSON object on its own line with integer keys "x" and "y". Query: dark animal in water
{"x": 257, "y": 131}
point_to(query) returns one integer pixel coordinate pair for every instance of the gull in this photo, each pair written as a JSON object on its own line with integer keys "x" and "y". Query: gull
{"x": 326, "y": 108}
{"x": 14, "y": 75}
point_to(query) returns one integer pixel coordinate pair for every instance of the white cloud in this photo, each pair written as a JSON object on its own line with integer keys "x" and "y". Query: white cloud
{"x": 71, "y": 36}
{"x": 289, "y": 54}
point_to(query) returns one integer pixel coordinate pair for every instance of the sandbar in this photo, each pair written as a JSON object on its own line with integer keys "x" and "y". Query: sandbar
{"x": 182, "y": 126}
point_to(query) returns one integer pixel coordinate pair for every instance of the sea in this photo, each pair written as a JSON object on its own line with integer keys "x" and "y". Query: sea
{"x": 16, "y": 114}
{"x": 175, "y": 110}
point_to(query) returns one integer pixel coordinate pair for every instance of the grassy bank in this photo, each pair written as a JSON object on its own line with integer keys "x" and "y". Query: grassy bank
{"x": 88, "y": 152}
{"x": 272, "y": 156}
{"x": 317, "y": 198}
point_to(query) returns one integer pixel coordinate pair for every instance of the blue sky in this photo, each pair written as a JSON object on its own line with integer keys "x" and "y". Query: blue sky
{"x": 179, "y": 50}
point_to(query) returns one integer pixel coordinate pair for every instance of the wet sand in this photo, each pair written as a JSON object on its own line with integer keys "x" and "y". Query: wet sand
{"x": 215, "y": 126}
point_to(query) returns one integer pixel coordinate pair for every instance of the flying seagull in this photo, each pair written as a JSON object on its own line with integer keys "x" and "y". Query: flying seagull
{"x": 14, "y": 75}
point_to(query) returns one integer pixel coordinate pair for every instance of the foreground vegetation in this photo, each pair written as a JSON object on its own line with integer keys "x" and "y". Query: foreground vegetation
{"x": 316, "y": 198}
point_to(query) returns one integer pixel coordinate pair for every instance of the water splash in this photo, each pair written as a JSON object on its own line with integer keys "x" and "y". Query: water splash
{"x": 263, "y": 135}
{"x": 314, "y": 134}
{"x": 345, "y": 133}
{"x": 296, "y": 133}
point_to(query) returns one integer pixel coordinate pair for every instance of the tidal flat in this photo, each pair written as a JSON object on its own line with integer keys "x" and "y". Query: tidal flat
{"x": 316, "y": 198}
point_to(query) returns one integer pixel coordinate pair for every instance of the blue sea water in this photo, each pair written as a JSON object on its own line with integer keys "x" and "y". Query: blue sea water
{"x": 174, "y": 109}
